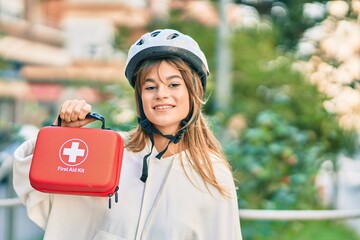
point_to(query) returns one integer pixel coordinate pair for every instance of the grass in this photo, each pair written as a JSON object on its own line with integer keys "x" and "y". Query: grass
{"x": 298, "y": 230}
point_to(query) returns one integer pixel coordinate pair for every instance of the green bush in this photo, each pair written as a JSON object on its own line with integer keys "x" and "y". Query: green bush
{"x": 275, "y": 164}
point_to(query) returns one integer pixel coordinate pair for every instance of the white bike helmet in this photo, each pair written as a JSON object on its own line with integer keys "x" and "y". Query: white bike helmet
{"x": 162, "y": 43}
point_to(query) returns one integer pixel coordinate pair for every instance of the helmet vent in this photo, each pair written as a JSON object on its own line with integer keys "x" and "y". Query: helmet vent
{"x": 172, "y": 36}
{"x": 140, "y": 42}
{"x": 154, "y": 34}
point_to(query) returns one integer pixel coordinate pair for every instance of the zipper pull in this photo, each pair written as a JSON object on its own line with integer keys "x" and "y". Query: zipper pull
{"x": 116, "y": 194}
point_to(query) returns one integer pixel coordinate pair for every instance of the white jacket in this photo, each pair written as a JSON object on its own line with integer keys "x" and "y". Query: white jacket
{"x": 167, "y": 207}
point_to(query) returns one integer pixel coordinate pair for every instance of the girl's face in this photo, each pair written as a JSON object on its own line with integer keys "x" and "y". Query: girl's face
{"x": 165, "y": 97}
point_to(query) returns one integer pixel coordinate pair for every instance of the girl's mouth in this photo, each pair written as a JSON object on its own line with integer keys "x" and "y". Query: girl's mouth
{"x": 163, "y": 107}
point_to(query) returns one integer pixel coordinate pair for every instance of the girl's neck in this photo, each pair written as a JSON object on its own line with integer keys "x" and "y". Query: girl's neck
{"x": 160, "y": 144}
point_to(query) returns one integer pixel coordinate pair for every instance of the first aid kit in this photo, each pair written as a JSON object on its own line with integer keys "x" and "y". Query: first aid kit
{"x": 78, "y": 161}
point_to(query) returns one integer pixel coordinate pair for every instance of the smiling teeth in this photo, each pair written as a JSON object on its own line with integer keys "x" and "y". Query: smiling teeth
{"x": 163, "y": 107}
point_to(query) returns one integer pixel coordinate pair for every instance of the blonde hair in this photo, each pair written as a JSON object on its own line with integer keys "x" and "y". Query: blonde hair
{"x": 199, "y": 141}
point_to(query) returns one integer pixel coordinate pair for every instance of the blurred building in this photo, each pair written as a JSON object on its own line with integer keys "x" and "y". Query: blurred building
{"x": 26, "y": 39}
{"x": 47, "y": 46}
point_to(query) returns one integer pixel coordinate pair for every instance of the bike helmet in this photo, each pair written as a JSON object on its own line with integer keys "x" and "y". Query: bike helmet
{"x": 164, "y": 42}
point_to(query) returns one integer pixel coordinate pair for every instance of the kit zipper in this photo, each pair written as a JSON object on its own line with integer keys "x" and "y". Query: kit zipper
{"x": 116, "y": 196}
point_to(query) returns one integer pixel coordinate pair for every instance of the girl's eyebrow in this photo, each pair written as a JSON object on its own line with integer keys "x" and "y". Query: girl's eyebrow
{"x": 171, "y": 77}
{"x": 149, "y": 80}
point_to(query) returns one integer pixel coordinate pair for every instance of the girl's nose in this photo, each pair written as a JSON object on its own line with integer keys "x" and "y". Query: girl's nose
{"x": 162, "y": 91}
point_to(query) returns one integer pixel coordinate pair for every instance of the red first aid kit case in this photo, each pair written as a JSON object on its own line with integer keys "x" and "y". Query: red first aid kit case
{"x": 80, "y": 161}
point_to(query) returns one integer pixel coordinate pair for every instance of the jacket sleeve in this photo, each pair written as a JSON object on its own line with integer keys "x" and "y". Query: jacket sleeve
{"x": 225, "y": 215}
{"x": 37, "y": 203}
{"x": 228, "y": 220}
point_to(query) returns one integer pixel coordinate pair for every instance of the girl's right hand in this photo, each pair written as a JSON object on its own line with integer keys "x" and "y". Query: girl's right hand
{"x": 73, "y": 113}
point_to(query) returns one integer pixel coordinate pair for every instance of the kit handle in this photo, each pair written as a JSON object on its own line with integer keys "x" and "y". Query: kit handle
{"x": 93, "y": 115}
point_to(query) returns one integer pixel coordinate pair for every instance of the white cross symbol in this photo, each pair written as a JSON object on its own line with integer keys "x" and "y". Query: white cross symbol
{"x": 74, "y": 152}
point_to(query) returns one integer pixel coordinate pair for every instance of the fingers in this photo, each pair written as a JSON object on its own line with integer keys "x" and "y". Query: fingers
{"x": 78, "y": 123}
{"x": 73, "y": 113}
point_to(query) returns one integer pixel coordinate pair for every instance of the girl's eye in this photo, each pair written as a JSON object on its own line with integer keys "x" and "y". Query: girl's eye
{"x": 174, "y": 85}
{"x": 150, "y": 87}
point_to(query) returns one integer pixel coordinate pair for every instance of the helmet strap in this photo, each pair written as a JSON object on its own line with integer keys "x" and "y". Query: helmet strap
{"x": 148, "y": 128}
{"x": 145, "y": 169}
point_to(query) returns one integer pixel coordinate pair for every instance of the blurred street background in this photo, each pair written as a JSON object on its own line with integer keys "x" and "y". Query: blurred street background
{"x": 283, "y": 95}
